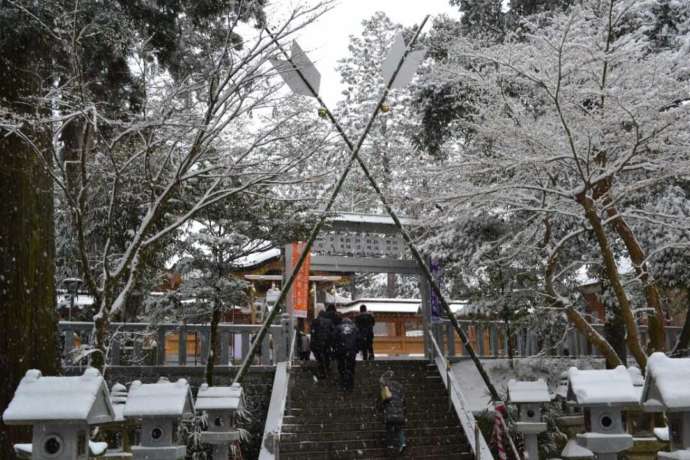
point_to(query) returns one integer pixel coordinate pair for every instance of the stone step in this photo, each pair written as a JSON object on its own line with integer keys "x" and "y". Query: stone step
{"x": 366, "y": 381}
{"x": 397, "y": 373}
{"x": 353, "y": 444}
{"x": 341, "y": 398}
{"x": 371, "y": 434}
{"x": 457, "y": 451}
{"x": 381, "y": 367}
{"x": 321, "y": 422}
{"x": 378, "y": 456}
{"x": 365, "y": 409}
{"x": 297, "y": 425}
{"x": 329, "y": 386}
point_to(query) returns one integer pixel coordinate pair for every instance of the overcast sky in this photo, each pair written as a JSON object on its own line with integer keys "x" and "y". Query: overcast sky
{"x": 326, "y": 40}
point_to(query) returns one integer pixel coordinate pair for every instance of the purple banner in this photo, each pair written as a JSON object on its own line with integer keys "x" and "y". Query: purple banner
{"x": 437, "y": 273}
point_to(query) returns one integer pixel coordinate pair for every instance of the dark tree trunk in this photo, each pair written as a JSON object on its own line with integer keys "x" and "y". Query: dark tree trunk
{"x": 214, "y": 345}
{"x": 614, "y": 331}
{"x": 680, "y": 349}
{"x": 28, "y": 317}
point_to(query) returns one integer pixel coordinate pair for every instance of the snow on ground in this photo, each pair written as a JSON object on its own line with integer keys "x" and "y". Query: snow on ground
{"x": 500, "y": 373}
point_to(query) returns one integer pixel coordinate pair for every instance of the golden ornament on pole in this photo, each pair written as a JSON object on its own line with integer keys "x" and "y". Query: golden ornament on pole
{"x": 323, "y": 112}
{"x": 385, "y": 108}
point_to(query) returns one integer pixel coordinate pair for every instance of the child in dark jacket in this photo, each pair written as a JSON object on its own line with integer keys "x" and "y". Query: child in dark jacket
{"x": 392, "y": 400}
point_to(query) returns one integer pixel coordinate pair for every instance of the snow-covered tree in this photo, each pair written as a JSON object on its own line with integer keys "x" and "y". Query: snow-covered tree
{"x": 577, "y": 114}
{"x": 213, "y": 245}
{"x": 198, "y": 139}
{"x": 388, "y": 150}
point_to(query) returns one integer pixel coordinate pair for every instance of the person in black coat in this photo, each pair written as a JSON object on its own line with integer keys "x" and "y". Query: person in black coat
{"x": 332, "y": 314}
{"x": 392, "y": 401}
{"x": 322, "y": 337}
{"x": 365, "y": 325}
{"x": 346, "y": 347}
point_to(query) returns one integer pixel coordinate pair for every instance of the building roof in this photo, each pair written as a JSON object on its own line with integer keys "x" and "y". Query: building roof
{"x": 219, "y": 398}
{"x": 162, "y": 399}
{"x": 257, "y": 258}
{"x": 666, "y": 383}
{"x": 337, "y": 299}
{"x": 528, "y": 392}
{"x": 602, "y": 387}
{"x": 354, "y": 218}
{"x": 70, "y": 399}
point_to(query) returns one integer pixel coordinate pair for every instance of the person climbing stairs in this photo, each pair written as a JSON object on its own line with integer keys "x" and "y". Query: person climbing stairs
{"x": 321, "y": 422}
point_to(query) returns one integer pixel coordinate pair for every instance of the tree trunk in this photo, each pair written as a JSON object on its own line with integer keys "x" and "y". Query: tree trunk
{"x": 656, "y": 317}
{"x": 28, "y": 316}
{"x": 100, "y": 326}
{"x": 632, "y": 338}
{"x": 614, "y": 332}
{"x": 593, "y": 337}
{"x": 614, "y": 323}
{"x": 509, "y": 342}
{"x": 214, "y": 345}
{"x": 574, "y": 317}
{"x": 680, "y": 349}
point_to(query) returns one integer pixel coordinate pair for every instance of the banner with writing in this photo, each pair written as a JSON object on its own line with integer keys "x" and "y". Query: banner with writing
{"x": 300, "y": 287}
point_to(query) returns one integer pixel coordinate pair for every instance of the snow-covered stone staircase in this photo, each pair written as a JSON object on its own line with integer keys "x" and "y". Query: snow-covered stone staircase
{"x": 321, "y": 422}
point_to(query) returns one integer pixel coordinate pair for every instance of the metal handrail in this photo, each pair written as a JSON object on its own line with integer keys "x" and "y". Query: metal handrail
{"x": 469, "y": 424}
{"x": 293, "y": 346}
{"x": 270, "y": 444}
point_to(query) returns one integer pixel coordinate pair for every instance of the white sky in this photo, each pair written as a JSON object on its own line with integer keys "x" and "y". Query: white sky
{"x": 326, "y": 40}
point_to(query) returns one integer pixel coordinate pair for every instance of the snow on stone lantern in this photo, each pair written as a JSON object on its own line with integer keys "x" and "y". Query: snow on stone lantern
{"x": 604, "y": 395}
{"x": 666, "y": 389}
{"x": 160, "y": 407}
{"x": 530, "y": 398}
{"x": 221, "y": 404}
{"x": 61, "y": 410}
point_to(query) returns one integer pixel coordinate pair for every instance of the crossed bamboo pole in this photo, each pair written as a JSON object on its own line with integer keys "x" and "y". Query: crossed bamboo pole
{"x": 354, "y": 156}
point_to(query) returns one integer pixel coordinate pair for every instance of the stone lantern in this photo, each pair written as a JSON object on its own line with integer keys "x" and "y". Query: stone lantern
{"x": 604, "y": 395}
{"x": 61, "y": 410}
{"x": 667, "y": 388}
{"x": 160, "y": 407}
{"x": 221, "y": 405}
{"x": 530, "y": 398}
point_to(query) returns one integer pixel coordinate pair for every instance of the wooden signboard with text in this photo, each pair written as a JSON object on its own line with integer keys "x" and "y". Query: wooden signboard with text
{"x": 300, "y": 288}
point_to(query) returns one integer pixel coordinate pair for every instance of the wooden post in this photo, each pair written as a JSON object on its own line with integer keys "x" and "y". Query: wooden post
{"x": 182, "y": 346}
{"x": 115, "y": 349}
{"x": 450, "y": 337}
{"x": 160, "y": 346}
{"x": 479, "y": 334}
{"x": 224, "y": 346}
{"x": 205, "y": 344}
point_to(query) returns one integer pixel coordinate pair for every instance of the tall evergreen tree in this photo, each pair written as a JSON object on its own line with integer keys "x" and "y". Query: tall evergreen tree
{"x": 28, "y": 319}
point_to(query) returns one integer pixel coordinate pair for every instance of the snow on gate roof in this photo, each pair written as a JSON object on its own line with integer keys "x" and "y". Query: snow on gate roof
{"x": 609, "y": 387}
{"x": 667, "y": 382}
{"x": 69, "y": 399}
{"x": 162, "y": 399}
